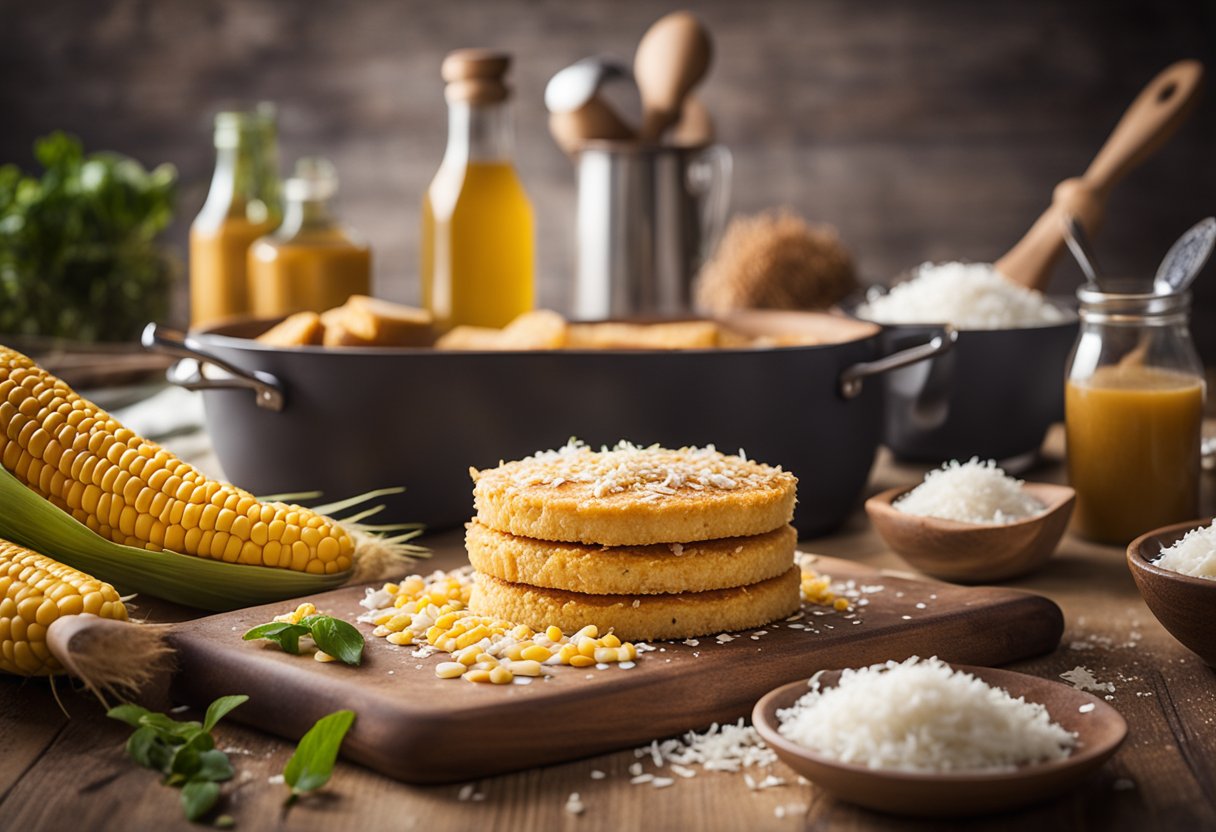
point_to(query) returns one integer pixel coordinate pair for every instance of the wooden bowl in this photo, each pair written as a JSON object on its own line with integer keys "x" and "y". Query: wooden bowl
{"x": 954, "y": 794}
{"x": 974, "y": 552}
{"x": 1182, "y": 603}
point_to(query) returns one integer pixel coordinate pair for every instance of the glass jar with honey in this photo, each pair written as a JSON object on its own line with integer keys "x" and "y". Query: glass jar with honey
{"x": 1133, "y": 414}
{"x": 477, "y": 235}
{"x": 312, "y": 262}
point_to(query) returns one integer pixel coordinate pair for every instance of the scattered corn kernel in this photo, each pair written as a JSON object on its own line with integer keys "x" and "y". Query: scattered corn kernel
{"x": 580, "y": 660}
{"x": 449, "y": 670}
{"x": 477, "y": 676}
{"x": 525, "y": 668}
{"x": 501, "y": 676}
{"x": 322, "y": 656}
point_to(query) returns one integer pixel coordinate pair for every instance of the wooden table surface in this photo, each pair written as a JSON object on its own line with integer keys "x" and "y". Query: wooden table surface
{"x": 68, "y": 771}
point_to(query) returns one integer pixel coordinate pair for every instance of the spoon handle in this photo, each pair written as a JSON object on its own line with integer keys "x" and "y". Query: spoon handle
{"x": 1147, "y": 124}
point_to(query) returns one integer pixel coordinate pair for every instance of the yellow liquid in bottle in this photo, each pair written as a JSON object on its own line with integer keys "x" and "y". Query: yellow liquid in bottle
{"x": 477, "y": 246}
{"x": 219, "y": 287}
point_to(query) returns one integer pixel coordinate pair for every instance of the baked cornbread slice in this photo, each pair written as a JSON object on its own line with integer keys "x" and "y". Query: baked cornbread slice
{"x": 631, "y": 570}
{"x": 633, "y": 496}
{"x": 641, "y": 617}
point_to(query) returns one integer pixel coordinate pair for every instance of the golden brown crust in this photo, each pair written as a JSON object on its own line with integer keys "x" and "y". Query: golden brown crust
{"x": 631, "y": 570}
{"x": 299, "y": 330}
{"x": 642, "y": 617}
{"x": 633, "y": 496}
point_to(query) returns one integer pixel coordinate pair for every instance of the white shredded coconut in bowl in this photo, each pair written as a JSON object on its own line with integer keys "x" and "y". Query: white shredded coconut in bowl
{"x": 1194, "y": 554}
{"x": 923, "y": 716}
{"x": 970, "y": 492}
{"x": 966, "y": 295}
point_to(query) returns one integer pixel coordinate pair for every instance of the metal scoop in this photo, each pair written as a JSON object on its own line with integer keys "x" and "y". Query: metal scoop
{"x": 1082, "y": 251}
{"x": 1186, "y": 258}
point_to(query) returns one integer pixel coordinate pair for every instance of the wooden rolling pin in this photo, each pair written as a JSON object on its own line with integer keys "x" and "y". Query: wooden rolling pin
{"x": 1148, "y": 124}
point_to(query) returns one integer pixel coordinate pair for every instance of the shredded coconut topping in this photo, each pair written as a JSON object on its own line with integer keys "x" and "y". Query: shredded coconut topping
{"x": 649, "y": 472}
{"x": 970, "y": 492}
{"x": 1194, "y": 554}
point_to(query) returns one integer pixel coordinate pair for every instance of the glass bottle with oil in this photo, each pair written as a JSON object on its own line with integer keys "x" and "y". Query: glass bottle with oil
{"x": 477, "y": 228}
{"x": 242, "y": 205}
{"x": 312, "y": 262}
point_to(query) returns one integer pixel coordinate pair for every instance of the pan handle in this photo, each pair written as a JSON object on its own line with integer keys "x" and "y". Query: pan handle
{"x": 188, "y": 372}
{"x": 852, "y": 378}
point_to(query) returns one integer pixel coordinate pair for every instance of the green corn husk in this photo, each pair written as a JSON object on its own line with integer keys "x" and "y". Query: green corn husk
{"x": 29, "y": 520}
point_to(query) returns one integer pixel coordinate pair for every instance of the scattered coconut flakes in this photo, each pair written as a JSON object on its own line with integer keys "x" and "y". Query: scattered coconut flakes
{"x": 790, "y": 810}
{"x": 275, "y": 780}
{"x": 574, "y": 804}
{"x": 723, "y": 747}
{"x": 596, "y": 774}
{"x": 635, "y": 768}
{"x": 1087, "y": 707}
{"x": 466, "y": 792}
{"x": 640, "y": 779}
{"x": 971, "y": 492}
{"x": 682, "y": 771}
{"x": 662, "y": 782}
{"x": 1081, "y": 678}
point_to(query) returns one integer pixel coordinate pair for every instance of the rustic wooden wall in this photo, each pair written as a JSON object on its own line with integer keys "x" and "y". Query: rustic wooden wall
{"x": 930, "y": 129}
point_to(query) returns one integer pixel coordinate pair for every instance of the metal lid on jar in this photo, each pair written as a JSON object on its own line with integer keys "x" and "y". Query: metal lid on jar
{"x": 476, "y": 76}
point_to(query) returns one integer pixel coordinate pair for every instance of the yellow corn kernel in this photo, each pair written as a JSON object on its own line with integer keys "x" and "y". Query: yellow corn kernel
{"x": 607, "y": 654}
{"x": 403, "y": 637}
{"x": 579, "y": 660}
{"x": 477, "y": 676}
{"x": 554, "y": 634}
{"x": 841, "y": 604}
{"x": 587, "y": 645}
{"x": 590, "y": 631}
{"x": 467, "y": 657}
{"x": 501, "y": 676}
{"x": 610, "y": 640}
{"x": 522, "y": 632}
{"x": 449, "y": 670}
{"x": 536, "y": 653}
{"x": 525, "y": 668}
{"x": 629, "y": 651}
{"x": 566, "y": 653}
{"x": 322, "y": 656}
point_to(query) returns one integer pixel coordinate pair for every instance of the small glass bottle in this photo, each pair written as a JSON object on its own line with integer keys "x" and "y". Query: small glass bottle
{"x": 477, "y": 232}
{"x": 311, "y": 263}
{"x": 1133, "y": 415}
{"x": 242, "y": 205}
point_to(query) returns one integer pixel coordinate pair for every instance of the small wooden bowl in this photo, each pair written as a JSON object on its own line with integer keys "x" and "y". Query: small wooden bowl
{"x": 1182, "y": 603}
{"x": 974, "y": 552}
{"x": 956, "y": 794}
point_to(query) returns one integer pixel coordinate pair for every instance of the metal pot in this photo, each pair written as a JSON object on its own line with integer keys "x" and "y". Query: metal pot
{"x": 344, "y": 421}
{"x": 994, "y": 396}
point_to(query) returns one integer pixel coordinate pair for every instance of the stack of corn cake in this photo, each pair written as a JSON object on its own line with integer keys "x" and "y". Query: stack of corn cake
{"x": 650, "y": 542}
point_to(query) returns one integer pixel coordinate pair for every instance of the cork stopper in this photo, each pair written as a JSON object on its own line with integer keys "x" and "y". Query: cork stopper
{"x": 476, "y": 76}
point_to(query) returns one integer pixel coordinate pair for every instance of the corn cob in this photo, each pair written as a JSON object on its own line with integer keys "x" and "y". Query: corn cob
{"x": 34, "y": 592}
{"x": 136, "y": 493}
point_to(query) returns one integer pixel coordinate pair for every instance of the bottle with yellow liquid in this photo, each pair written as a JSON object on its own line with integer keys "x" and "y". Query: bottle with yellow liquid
{"x": 242, "y": 205}
{"x": 1133, "y": 411}
{"x": 477, "y": 230}
{"x": 311, "y": 263}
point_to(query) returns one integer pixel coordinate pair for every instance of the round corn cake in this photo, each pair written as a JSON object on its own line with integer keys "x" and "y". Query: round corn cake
{"x": 633, "y": 496}
{"x": 642, "y": 617}
{"x": 631, "y": 570}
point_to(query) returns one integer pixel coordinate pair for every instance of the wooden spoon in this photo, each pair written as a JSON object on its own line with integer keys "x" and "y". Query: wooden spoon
{"x": 1146, "y": 125}
{"x": 695, "y": 127}
{"x": 672, "y": 58}
{"x": 595, "y": 119}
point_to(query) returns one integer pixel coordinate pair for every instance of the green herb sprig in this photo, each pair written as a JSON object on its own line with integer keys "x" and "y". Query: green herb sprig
{"x": 184, "y": 752}
{"x": 312, "y": 764}
{"x": 332, "y": 635}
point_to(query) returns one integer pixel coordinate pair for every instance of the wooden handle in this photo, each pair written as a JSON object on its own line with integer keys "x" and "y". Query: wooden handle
{"x": 109, "y": 656}
{"x": 594, "y": 120}
{"x": 695, "y": 127}
{"x": 672, "y": 58}
{"x": 1147, "y": 124}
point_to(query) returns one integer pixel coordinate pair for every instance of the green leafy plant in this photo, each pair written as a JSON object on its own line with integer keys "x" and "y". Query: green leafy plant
{"x": 184, "y": 752}
{"x": 332, "y": 635}
{"x": 78, "y": 251}
{"x": 312, "y": 764}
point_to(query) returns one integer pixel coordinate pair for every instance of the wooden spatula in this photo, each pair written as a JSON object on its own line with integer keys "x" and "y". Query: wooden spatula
{"x": 1148, "y": 123}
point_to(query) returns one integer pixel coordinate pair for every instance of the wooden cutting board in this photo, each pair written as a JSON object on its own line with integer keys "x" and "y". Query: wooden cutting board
{"x": 418, "y": 728}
